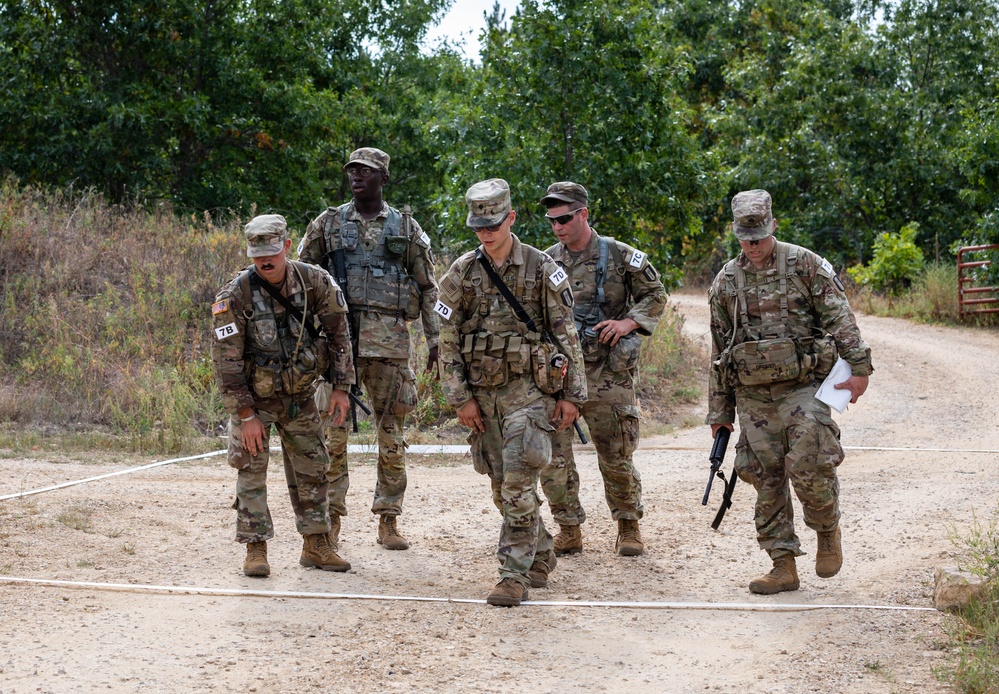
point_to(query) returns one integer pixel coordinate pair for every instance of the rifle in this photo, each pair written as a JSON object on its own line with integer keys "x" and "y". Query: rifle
{"x": 717, "y": 457}
{"x": 579, "y": 431}
{"x": 335, "y": 263}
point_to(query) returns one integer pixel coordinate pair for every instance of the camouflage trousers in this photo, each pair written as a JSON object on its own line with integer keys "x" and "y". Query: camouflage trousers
{"x": 788, "y": 438}
{"x": 614, "y": 431}
{"x": 305, "y": 464}
{"x": 514, "y": 447}
{"x": 390, "y": 390}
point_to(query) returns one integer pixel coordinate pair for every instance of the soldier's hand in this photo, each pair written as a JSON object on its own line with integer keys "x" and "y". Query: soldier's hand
{"x": 857, "y": 385}
{"x": 339, "y": 404}
{"x": 716, "y": 427}
{"x": 470, "y": 415}
{"x": 613, "y": 330}
{"x": 565, "y": 414}
{"x": 433, "y": 364}
{"x": 252, "y": 434}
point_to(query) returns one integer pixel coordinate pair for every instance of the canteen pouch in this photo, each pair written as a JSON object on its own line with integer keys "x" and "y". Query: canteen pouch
{"x": 623, "y": 356}
{"x": 299, "y": 375}
{"x": 762, "y": 362}
{"x": 549, "y": 367}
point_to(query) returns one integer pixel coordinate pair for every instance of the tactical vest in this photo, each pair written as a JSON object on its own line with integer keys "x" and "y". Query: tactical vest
{"x": 285, "y": 358}
{"x": 377, "y": 280}
{"x": 770, "y": 351}
{"x": 588, "y": 315}
{"x": 495, "y": 344}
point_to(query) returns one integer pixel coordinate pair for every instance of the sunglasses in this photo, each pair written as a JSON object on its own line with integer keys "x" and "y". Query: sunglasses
{"x": 564, "y": 219}
{"x": 494, "y": 228}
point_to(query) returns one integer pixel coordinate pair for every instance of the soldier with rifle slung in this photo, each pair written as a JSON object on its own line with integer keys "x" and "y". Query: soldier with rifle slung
{"x": 779, "y": 319}
{"x": 382, "y": 260}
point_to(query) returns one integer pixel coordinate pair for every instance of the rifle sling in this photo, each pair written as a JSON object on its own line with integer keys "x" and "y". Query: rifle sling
{"x": 505, "y": 291}
{"x": 275, "y": 294}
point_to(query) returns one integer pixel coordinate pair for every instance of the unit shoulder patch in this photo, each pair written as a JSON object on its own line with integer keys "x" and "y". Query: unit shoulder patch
{"x": 567, "y": 298}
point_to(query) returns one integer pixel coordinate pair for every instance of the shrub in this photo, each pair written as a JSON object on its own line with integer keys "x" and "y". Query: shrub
{"x": 897, "y": 260}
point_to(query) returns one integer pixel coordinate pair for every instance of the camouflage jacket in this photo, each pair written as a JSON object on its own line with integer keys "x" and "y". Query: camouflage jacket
{"x": 380, "y": 334}
{"x": 474, "y": 311}
{"x": 246, "y": 337}
{"x": 816, "y": 305}
{"x": 632, "y": 289}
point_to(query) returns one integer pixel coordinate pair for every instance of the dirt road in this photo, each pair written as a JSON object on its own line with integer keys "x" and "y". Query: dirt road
{"x": 934, "y": 388}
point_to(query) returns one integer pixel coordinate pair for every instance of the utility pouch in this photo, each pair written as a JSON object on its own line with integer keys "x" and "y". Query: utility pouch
{"x": 589, "y": 342}
{"x": 414, "y": 303}
{"x": 300, "y": 374}
{"x": 396, "y": 245}
{"x": 549, "y": 367}
{"x": 762, "y": 362}
{"x": 349, "y": 236}
{"x": 265, "y": 380}
{"x": 623, "y": 356}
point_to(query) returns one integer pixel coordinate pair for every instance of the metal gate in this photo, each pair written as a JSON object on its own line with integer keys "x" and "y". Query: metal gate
{"x": 968, "y": 294}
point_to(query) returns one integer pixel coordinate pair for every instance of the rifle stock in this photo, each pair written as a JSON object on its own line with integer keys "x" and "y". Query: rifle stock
{"x": 335, "y": 263}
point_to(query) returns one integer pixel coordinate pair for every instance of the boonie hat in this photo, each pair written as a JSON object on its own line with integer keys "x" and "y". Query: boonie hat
{"x": 488, "y": 203}
{"x": 369, "y": 156}
{"x": 751, "y": 211}
{"x": 265, "y": 235}
{"x": 565, "y": 192}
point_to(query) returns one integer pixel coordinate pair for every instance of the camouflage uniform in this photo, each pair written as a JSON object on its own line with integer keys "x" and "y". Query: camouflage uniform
{"x": 253, "y": 348}
{"x": 632, "y": 289}
{"x": 485, "y": 354}
{"x": 383, "y": 353}
{"x": 787, "y": 435}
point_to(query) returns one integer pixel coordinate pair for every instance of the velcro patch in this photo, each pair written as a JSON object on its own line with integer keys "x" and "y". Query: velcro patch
{"x": 558, "y": 277}
{"x": 341, "y": 302}
{"x": 637, "y": 258}
{"x": 838, "y": 283}
{"x": 827, "y": 267}
{"x": 424, "y": 237}
{"x": 220, "y": 307}
{"x": 449, "y": 287}
{"x": 226, "y": 331}
{"x": 567, "y": 297}
{"x": 443, "y": 309}
{"x": 650, "y": 273}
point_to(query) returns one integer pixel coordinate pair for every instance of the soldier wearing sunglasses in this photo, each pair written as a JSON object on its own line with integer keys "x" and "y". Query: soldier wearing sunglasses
{"x": 618, "y": 300}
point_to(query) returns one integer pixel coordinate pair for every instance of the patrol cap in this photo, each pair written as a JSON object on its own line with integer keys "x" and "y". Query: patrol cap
{"x": 565, "y": 192}
{"x": 753, "y": 219}
{"x": 488, "y": 203}
{"x": 265, "y": 235}
{"x": 369, "y": 156}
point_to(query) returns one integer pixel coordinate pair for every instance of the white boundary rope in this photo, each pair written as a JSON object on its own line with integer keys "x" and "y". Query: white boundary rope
{"x": 435, "y": 449}
{"x": 241, "y": 592}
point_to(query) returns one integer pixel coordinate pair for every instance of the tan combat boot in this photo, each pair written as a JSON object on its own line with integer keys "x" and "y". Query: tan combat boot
{"x": 569, "y": 540}
{"x": 388, "y": 534}
{"x": 508, "y": 593}
{"x": 829, "y": 557}
{"x": 784, "y": 576}
{"x": 318, "y": 552}
{"x": 629, "y": 539}
{"x": 542, "y": 566}
{"x": 335, "y": 531}
{"x": 256, "y": 560}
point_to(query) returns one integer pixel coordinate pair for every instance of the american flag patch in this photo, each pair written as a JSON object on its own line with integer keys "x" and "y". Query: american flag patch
{"x": 220, "y": 307}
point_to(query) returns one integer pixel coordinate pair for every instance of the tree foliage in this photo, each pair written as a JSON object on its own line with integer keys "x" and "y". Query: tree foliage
{"x": 859, "y": 116}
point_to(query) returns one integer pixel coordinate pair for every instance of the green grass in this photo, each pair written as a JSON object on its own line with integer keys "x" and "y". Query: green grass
{"x": 974, "y": 631}
{"x": 77, "y": 517}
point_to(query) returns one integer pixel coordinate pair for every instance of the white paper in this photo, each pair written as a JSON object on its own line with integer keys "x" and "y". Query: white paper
{"x": 836, "y": 398}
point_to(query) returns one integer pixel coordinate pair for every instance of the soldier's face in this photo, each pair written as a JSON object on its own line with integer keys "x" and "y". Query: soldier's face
{"x": 758, "y": 251}
{"x": 569, "y": 225}
{"x": 365, "y": 183}
{"x": 497, "y": 240}
{"x": 273, "y": 267}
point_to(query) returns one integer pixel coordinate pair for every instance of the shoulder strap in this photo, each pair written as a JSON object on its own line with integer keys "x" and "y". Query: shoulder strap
{"x": 275, "y": 294}
{"x": 505, "y": 291}
{"x": 601, "y": 270}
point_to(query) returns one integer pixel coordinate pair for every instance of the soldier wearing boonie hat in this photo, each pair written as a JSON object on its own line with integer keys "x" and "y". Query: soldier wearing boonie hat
{"x": 267, "y": 365}
{"x": 779, "y": 321}
{"x": 489, "y": 359}
{"x": 383, "y": 261}
{"x": 618, "y": 298}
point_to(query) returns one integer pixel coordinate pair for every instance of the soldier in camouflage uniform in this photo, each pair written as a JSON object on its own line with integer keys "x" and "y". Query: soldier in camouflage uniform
{"x": 779, "y": 319}
{"x": 618, "y": 299}
{"x": 389, "y": 269}
{"x": 506, "y": 380}
{"x": 268, "y": 354}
